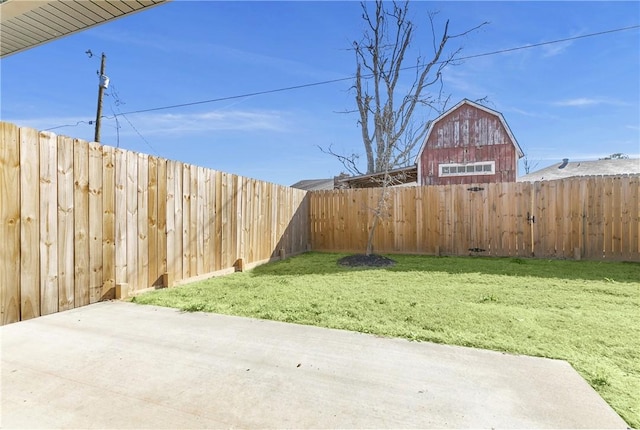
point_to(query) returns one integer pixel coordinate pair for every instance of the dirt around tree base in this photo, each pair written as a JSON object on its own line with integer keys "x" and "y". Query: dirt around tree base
{"x": 363, "y": 260}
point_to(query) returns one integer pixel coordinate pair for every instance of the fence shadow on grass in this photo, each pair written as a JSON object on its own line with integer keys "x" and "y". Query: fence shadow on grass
{"x": 326, "y": 263}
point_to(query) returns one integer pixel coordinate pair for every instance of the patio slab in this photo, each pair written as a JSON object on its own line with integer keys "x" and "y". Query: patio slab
{"x": 122, "y": 365}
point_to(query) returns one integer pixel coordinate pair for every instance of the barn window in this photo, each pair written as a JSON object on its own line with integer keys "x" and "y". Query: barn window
{"x": 463, "y": 169}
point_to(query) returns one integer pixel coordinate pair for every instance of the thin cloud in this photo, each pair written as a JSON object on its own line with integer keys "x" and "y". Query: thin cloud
{"x": 555, "y": 49}
{"x": 234, "y": 120}
{"x": 586, "y": 101}
{"x": 151, "y": 41}
{"x": 558, "y": 48}
{"x": 222, "y": 52}
{"x": 162, "y": 124}
{"x": 582, "y": 101}
{"x": 463, "y": 82}
{"x": 529, "y": 113}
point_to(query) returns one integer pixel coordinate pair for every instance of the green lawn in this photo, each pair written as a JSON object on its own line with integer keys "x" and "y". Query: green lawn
{"x": 587, "y": 313}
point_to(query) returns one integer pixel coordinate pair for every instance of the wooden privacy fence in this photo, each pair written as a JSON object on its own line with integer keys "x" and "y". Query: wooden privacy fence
{"x": 588, "y": 217}
{"x": 78, "y": 219}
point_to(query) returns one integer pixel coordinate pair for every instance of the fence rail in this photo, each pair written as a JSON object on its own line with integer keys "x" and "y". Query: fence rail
{"x": 589, "y": 218}
{"x": 79, "y": 218}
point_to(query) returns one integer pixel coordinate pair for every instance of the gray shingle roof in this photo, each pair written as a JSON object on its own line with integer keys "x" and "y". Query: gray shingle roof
{"x": 629, "y": 166}
{"x": 314, "y": 184}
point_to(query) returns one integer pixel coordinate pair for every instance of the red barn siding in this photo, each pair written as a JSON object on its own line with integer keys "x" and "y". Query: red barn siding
{"x": 467, "y": 135}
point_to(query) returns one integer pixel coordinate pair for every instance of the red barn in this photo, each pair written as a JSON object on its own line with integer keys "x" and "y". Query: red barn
{"x": 469, "y": 143}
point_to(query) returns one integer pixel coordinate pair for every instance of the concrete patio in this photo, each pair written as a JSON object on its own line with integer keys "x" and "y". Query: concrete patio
{"x": 121, "y": 365}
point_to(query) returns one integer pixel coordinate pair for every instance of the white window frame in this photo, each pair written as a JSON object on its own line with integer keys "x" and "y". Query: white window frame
{"x": 462, "y": 169}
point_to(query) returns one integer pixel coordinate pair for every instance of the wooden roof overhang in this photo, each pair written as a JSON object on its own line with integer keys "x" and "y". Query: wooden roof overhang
{"x": 394, "y": 177}
{"x": 28, "y": 23}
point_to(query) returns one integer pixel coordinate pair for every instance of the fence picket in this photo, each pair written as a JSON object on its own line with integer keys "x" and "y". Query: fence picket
{"x": 131, "y": 237}
{"x": 178, "y": 249}
{"x": 598, "y": 191}
{"x": 155, "y": 277}
{"x": 186, "y": 221}
{"x": 108, "y": 223}
{"x": 195, "y": 233}
{"x": 171, "y": 229}
{"x": 9, "y": 224}
{"x": 80, "y": 218}
{"x": 48, "y": 224}
{"x": 218, "y": 250}
{"x": 633, "y": 205}
{"x": 207, "y": 221}
{"x": 142, "y": 219}
{"x": 506, "y": 229}
{"x": 29, "y": 225}
{"x": 66, "y": 291}
{"x": 434, "y": 223}
{"x": 120, "y": 217}
{"x": 162, "y": 211}
{"x": 523, "y": 205}
{"x": 95, "y": 213}
{"x": 616, "y": 209}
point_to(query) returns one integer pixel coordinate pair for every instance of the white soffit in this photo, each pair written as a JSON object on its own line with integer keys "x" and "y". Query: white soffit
{"x": 28, "y": 23}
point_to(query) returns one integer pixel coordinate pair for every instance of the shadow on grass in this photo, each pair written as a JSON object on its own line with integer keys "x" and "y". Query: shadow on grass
{"x": 326, "y": 263}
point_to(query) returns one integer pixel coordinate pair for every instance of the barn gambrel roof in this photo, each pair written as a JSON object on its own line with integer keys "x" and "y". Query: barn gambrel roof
{"x": 478, "y": 106}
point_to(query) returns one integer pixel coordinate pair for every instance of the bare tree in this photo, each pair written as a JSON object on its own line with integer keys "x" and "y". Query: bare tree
{"x": 386, "y": 105}
{"x": 386, "y": 109}
{"x": 528, "y": 164}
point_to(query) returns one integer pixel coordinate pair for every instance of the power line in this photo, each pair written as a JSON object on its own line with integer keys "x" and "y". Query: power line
{"x": 118, "y": 101}
{"x": 69, "y": 125}
{"x": 332, "y": 81}
{"x": 117, "y": 125}
{"x": 240, "y": 96}
{"x": 502, "y": 51}
{"x": 139, "y": 134}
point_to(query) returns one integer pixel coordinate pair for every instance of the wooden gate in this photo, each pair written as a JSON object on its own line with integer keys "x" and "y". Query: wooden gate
{"x": 498, "y": 220}
{"x": 588, "y": 217}
{"x": 591, "y": 218}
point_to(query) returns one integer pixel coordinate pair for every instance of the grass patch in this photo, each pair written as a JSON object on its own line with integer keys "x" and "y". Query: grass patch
{"x": 587, "y": 313}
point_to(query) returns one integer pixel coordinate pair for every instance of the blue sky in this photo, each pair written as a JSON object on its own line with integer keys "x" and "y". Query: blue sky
{"x": 578, "y": 99}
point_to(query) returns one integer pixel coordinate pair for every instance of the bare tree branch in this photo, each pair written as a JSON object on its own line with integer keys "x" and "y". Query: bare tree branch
{"x": 471, "y": 30}
{"x": 529, "y": 164}
{"x": 350, "y": 162}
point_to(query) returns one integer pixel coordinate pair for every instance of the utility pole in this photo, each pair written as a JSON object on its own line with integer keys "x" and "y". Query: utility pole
{"x": 104, "y": 83}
